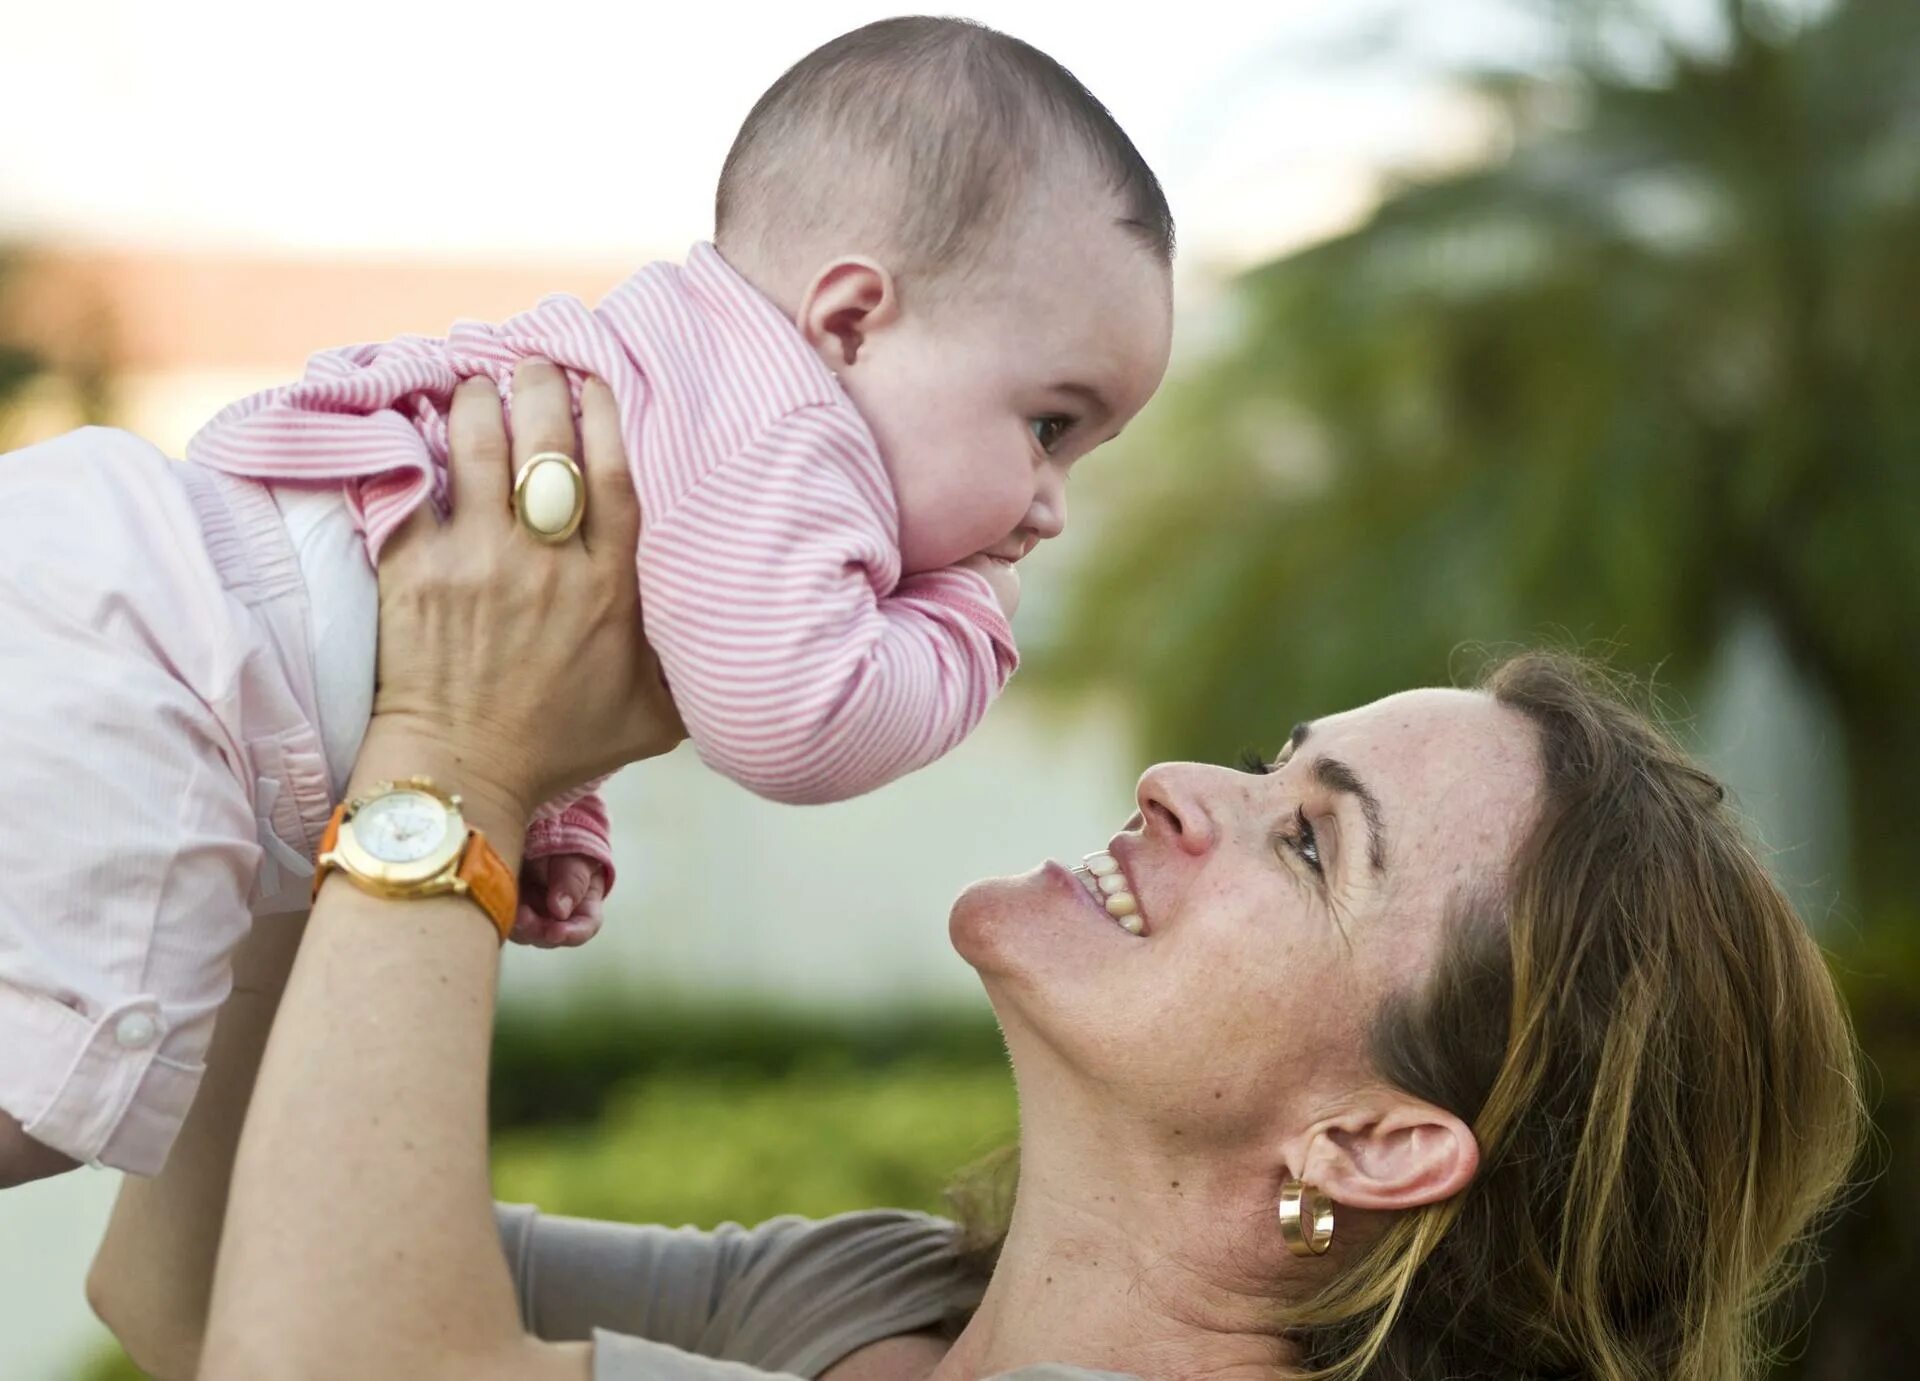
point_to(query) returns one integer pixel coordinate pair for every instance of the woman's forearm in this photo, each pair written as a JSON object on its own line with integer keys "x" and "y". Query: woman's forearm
{"x": 360, "y": 1238}
{"x": 153, "y": 1275}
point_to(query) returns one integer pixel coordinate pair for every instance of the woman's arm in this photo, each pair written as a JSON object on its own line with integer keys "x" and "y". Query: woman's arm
{"x": 153, "y": 1275}
{"x": 360, "y": 1236}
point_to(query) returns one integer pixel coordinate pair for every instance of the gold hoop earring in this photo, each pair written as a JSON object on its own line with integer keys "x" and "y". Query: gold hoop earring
{"x": 1306, "y": 1218}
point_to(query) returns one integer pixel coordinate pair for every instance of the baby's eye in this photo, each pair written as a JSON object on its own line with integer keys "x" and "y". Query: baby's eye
{"x": 1049, "y": 431}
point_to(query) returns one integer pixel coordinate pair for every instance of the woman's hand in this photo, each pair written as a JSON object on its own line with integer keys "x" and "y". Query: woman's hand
{"x": 524, "y": 663}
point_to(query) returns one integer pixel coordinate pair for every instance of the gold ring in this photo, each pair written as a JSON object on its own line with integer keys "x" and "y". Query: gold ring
{"x": 550, "y": 497}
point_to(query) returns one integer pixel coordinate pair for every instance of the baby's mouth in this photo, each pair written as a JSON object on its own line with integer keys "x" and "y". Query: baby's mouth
{"x": 1100, "y": 874}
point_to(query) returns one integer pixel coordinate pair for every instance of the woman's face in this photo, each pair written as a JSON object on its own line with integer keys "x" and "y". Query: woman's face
{"x": 1277, "y": 910}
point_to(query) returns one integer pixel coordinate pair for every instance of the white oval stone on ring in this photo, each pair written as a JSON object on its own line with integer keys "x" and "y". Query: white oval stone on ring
{"x": 548, "y": 496}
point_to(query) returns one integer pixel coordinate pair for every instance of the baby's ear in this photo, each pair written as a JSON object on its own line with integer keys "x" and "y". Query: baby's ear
{"x": 848, "y": 300}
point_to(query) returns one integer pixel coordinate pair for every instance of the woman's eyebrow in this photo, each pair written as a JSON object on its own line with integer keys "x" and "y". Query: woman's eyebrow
{"x": 1335, "y": 775}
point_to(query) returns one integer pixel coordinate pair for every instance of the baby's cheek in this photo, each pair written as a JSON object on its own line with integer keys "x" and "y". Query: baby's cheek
{"x": 966, "y": 518}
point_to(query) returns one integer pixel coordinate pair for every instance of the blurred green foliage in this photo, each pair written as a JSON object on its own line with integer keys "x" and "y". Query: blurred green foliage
{"x": 551, "y": 1068}
{"x": 672, "y": 1113}
{"x": 824, "y": 1138}
{"x": 1860, "y": 1297}
{"x": 19, "y": 366}
{"x": 53, "y": 372}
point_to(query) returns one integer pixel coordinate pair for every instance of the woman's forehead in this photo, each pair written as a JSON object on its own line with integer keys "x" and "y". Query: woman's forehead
{"x": 1443, "y": 764}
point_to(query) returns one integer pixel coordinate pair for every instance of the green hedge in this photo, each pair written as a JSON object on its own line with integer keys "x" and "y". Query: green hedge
{"x": 553, "y": 1068}
{"x": 823, "y": 1139}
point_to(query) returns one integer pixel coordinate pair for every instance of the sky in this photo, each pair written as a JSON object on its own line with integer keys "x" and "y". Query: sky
{"x": 592, "y": 132}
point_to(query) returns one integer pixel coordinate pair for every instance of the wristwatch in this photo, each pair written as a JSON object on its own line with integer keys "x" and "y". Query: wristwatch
{"x": 408, "y": 839}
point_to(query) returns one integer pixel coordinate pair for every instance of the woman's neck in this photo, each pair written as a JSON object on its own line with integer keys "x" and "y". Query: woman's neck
{"x": 1118, "y": 1261}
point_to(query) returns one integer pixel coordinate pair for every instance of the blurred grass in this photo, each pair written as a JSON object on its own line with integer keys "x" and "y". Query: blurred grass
{"x": 644, "y": 1112}
{"x": 823, "y": 1139}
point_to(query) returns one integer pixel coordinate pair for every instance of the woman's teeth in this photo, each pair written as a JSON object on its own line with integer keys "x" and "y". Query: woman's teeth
{"x": 1101, "y": 876}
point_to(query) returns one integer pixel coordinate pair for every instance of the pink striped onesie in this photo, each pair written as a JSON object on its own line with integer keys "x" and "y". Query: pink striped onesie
{"x": 806, "y": 667}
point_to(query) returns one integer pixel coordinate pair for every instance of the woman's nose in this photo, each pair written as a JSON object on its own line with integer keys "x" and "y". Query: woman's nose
{"x": 1172, "y": 799}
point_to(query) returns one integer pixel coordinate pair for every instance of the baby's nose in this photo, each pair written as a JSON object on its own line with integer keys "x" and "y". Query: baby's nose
{"x": 1047, "y": 517}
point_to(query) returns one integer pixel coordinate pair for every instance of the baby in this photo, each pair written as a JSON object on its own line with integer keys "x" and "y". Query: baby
{"x": 940, "y": 276}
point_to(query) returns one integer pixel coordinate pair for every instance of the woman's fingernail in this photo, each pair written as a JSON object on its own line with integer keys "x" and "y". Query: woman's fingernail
{"x": 563, "y": 906}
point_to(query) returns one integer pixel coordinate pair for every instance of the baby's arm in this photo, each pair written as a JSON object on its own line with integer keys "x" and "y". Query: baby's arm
{"x": 802, "y": 669}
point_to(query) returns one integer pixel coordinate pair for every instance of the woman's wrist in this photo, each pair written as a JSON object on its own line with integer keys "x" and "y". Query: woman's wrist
{"x": 396, "y": 746}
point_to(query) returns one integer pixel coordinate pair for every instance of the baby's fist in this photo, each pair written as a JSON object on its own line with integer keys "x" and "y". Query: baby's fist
{"x": 560, "y": 901}
{"x": 1002, "y": 576}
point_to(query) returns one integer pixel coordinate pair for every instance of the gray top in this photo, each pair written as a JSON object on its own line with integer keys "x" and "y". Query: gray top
{"x": 786, "y": 1299}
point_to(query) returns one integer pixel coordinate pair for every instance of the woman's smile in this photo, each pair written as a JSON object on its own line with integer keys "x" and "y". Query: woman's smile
{"x": 1107, "y": 884}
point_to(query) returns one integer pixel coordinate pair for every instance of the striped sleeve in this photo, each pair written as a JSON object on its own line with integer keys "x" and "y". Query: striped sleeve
{"x": 805, "y": 668}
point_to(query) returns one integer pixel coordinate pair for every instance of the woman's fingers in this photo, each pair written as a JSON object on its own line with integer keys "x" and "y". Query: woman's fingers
{"x": 542, "y": 414}
{"x": 478, "y": 480}
{"x": 611, "y": 527}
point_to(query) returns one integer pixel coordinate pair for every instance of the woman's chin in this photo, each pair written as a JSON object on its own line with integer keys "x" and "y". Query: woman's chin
{"x": 1028, "y": 924}
{"x": 986, "y": 915}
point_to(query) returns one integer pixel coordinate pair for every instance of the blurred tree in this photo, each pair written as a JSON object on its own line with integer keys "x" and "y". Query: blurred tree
{"x": 19, "y": 366}
{"x": 1654, "y": 366}
{"x": 53, "y": 332}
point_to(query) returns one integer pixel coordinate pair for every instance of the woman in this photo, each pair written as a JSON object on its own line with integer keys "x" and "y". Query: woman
{"x": 1487, "y": 979}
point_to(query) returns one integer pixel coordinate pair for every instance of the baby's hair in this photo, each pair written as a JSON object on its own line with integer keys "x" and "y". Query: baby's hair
{"x": 917, "y": 139}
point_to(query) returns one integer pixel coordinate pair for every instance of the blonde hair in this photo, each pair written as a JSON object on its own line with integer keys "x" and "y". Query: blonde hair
{"x": 1656, "y": 1064}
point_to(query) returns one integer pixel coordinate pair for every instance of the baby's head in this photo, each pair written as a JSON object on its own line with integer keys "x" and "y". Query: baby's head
{"x": 972, "y": 244}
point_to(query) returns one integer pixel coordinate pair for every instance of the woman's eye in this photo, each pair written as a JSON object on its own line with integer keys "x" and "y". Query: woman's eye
{"x": 1049, "y": 431}
{"x": 1304, "y": 842}
{"x": 1250, "y": 761}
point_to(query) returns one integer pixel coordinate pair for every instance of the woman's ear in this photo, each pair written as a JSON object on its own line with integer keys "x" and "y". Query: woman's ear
{"x": 1396, "y": 1152}
{"x": 849, "y": 299}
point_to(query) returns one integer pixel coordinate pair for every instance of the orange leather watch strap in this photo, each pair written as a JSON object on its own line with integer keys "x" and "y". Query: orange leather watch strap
{"x": 490, "y": 883}
{"x": 331, "y": 835}
{"x": 328, "y": 838}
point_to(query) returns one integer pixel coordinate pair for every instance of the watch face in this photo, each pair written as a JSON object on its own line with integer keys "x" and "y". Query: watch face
{"x": 401, "y": 827}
